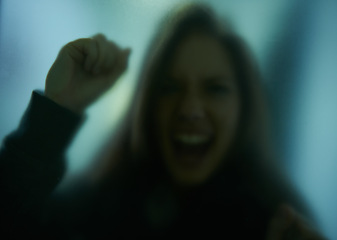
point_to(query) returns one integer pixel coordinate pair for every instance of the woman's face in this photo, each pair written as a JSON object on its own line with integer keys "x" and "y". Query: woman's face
{"x": 197, "y": 111}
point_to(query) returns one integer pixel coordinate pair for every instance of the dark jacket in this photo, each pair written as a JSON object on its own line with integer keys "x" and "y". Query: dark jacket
{"x": 32, "y": 164}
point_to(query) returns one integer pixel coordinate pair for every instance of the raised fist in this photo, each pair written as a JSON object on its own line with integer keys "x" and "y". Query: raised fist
{"x": 84, "y": 70}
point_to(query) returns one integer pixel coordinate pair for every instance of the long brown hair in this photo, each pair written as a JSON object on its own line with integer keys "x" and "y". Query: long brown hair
{"x": 133, "y": 146}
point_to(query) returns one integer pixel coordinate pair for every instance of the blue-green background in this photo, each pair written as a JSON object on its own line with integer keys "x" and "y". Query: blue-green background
{"x": 295, "y": 42}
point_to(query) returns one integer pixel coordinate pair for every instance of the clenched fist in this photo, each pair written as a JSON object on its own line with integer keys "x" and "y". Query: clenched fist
{"x": 84, "y": 70}
{"x": 287, "y": 224}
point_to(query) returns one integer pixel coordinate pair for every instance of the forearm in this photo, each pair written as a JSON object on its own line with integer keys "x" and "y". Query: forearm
{"x": 32, "y": 159}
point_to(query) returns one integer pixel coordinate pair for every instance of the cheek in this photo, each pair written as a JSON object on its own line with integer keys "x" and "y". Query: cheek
{"x": 226, "y": 119}
{"x": 233, "y": 117}
{"x": 162, "y": 120}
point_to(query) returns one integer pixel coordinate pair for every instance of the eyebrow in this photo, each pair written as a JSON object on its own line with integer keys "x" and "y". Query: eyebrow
{"x": 211, "y": 78}
{"x": 216, "y": 78}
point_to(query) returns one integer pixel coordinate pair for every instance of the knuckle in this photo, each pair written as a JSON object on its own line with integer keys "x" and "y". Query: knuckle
{"x": 65, "y": 49}
{"x": 93, "y": 48}
{"x": 112, "y": 45}
{"x": 99, "y": 36}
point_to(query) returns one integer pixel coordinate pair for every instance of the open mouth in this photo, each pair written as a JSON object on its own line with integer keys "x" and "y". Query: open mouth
{"x": 191, "y": 149}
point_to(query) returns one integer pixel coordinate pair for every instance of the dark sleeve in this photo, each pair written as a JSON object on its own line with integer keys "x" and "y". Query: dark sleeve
{"x": 32, "y": 162}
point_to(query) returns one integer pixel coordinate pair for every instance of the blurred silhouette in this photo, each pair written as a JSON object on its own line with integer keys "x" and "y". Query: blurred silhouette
{"x": 193, "y": 156}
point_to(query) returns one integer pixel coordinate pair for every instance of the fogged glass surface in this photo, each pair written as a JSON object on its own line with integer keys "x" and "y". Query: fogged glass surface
{"x": 294, "y": 43}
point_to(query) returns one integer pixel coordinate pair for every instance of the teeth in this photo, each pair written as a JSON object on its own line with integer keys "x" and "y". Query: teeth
{"x": 191, "y": 139}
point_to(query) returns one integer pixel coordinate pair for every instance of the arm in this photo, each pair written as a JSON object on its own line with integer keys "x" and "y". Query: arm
{"x": 32, "y": 161}
{"x": 32, "y": 157}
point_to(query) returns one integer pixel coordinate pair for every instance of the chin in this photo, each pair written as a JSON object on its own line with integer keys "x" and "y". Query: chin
{"x": 191, "y": 170}
{"x": 188, "y": 177}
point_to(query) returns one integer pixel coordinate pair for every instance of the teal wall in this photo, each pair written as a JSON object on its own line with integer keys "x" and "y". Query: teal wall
{"x": 295, "y": 45}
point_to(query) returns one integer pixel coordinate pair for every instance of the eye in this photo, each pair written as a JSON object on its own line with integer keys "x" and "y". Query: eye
{"x": 218, "y": 89}
{"x": 169, "y": 88}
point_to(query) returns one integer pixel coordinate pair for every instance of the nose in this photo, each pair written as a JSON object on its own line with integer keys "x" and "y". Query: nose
{"x": 191, "y": 108}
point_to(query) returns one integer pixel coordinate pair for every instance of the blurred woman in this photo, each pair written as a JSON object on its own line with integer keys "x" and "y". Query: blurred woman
{"x": 193, "y": 156}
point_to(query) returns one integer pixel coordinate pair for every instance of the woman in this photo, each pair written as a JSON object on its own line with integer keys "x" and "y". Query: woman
{"x": 192, "y": 156}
